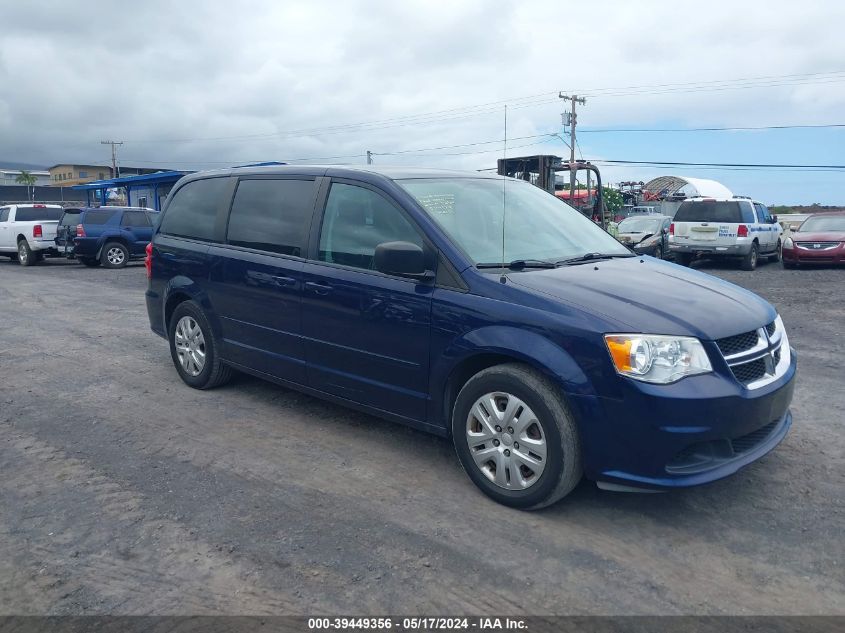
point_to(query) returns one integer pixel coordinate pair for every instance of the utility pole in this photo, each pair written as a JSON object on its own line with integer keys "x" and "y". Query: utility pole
{"x": 573, "y": 119}
{"x": 113, "y": 156}
{"x": 369, "y": 157}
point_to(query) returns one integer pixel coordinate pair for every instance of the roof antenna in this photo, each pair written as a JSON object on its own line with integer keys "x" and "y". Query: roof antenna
{"x": 503, "y": 279}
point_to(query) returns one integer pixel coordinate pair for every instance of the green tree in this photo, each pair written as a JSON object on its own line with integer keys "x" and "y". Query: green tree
{"x": 612, "y": 200}
{"x": 26, "y": 178}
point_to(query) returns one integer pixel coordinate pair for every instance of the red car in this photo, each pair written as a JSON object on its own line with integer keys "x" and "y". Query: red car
{"x": 819, "y": 240}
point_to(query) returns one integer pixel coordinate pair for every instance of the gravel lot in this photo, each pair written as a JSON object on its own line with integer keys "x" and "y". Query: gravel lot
{"x": 124, "y": 491}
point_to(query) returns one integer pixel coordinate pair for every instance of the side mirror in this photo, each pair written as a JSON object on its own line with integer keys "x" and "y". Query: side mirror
{"x": 403, "y": 259}
{"x": 774, "y": 219}
{"x": 665, "y": 230}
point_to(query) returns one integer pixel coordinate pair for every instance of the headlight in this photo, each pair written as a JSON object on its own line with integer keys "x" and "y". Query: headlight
{"x": 657, "y": 359}
{"x": 787, "y": 243}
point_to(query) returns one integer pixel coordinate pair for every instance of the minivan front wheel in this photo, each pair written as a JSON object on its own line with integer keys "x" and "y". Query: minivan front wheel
{"x": 193, "y": 348}
{"x": 516, "y": 438}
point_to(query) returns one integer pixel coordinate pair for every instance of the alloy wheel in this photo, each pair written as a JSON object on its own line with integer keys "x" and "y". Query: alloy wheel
{"x": 23, "y": 255}
{"x": 506, "y": 441}
{"x": 115, "y": 255}
{"x": 190, "y": 345}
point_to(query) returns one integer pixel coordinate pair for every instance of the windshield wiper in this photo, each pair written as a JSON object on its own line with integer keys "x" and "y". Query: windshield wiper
{"x": 588, "y": 257}
{"x": 519, "y": 264}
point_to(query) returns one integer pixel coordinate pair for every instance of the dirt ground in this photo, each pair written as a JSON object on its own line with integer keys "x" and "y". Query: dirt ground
{"x": 122, "y": 491}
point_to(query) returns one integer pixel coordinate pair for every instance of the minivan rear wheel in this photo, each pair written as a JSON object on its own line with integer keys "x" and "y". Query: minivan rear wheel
{"x": 193, "y": 348}
{"x": 516, "y": 438}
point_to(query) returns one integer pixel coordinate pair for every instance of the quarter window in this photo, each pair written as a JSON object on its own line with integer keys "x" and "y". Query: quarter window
{"x": 135, "y": 218}
{"x": 272, "y": 215}
{"x": 356, "y": 221}
{"x": 193, "y": 211}
{"x": 4, "y": 215}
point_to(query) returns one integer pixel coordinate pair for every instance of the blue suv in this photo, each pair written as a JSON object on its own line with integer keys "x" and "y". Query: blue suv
{"x": 111, "y": 236}
{"x": 474, "y": 307}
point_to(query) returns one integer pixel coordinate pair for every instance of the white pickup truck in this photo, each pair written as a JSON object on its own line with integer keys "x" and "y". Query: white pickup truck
{"x": 28, "y": 231}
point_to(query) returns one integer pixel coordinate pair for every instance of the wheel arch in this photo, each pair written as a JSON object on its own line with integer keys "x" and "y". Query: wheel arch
{"x": 497, "y": 345}
{"x": 181, "y": 289}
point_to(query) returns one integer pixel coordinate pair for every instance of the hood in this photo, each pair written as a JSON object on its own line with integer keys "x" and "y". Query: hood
{"x": 818, "y": 236}
{"x": 652, "y": 296}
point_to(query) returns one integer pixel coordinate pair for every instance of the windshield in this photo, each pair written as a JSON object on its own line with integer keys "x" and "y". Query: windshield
{"x": 820, "y": 223}
{"x": 640, "y": 225}
{"x": 538, "y": 226}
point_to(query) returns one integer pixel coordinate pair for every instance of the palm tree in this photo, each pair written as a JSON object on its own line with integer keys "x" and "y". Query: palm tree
{"x": 26, "y": 178}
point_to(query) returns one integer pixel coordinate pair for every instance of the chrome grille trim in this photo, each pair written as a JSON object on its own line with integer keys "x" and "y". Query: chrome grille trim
{"x": 772, "y": 347}
{"x": 812, "y": 246}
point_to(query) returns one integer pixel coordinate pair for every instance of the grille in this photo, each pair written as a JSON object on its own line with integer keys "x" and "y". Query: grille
{"x": 817, "y": 246}
{"x": 770, "y": 328}
{"x": 737, "y": 343}
{"x": 749, "y": 372}
{"x": 747, "y": 442}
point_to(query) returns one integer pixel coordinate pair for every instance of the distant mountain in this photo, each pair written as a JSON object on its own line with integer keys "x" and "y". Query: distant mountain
{"x": 805, "y": 208}
{"x": 8, "y": 164}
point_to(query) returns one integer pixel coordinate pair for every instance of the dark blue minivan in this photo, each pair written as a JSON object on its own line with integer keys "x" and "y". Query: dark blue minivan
{"x": 475, "y": 307}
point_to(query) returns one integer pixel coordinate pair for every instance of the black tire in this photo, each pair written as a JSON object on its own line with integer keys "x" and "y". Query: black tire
{"x": 90, "y": 262}
{"x": 25, "y": 255}
{"x": 562, "y": 467}
{"x": 777, "y": 255}
{"x": 684, "y": 259}
{"x": 214, "y": 372}
{"x": 114, "y": 255}
{"x": 658, "y": 252}
{"x": 749, "y": 262}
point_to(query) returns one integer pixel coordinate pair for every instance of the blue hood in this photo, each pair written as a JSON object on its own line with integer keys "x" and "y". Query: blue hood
{"x": 652, "y": 296}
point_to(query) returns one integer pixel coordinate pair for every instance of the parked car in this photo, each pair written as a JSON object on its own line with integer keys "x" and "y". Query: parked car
{"x": 737, "y": 228}
{"x": 111, "y": 236}
{"x": 551, "y": 354}
{"x": 819, "y": 240}
{"x": 28, "y": 231}
{"x": 66, "y": 231}
{"x": 646, "y": 234}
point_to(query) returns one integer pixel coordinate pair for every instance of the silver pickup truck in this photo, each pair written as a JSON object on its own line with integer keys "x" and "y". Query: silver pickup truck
{"x": 28, "y": 231}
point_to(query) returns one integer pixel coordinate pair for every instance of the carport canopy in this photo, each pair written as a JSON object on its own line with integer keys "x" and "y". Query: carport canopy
{"x": 670, "y": 185}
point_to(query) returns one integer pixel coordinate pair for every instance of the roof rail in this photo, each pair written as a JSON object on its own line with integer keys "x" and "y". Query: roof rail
{"x": 743, "y": 197}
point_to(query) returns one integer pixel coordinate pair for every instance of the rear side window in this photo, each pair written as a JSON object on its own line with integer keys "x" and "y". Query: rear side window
{"x": 272, "y": 215}
{"x": 29, "y": 214}
{"x": 193, "y": 211}
{"x": 98, "y": 216}
{"x": 4, "y": 214}
{"x": 711, "y": 211}
{"x": 135, "y": 218}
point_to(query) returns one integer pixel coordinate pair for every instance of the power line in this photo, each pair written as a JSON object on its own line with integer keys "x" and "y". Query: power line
{"x": 717, "y": 129}
{"x": 683, "y": 164}
{"x": 532, "y": 101}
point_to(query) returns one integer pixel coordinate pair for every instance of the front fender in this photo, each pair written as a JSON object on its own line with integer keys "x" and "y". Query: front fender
{"x": 520, "y": 345}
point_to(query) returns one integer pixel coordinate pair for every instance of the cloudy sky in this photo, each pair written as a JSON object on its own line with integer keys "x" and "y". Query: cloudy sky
{"x": 199, "y": 85}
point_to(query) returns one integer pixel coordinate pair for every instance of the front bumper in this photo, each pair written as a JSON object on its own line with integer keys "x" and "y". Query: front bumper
{"x": 693, "y": 432}
{"x": 797, "y": 255}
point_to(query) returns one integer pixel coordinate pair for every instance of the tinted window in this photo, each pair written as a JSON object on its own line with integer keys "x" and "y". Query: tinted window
{"x": 98, "y": 216}
{"x": 70, "y": 218}
{"x": 4, "y": 214}
{"x": 356, "y": 221}
{"x": 29, "y": 214}
{"x": 272, "y": 215}
{"x": 193, "y": 211}
{"x": 135, "y": 218}
{"x": 710, "y": 211}
{"x": 762, "y": 213}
